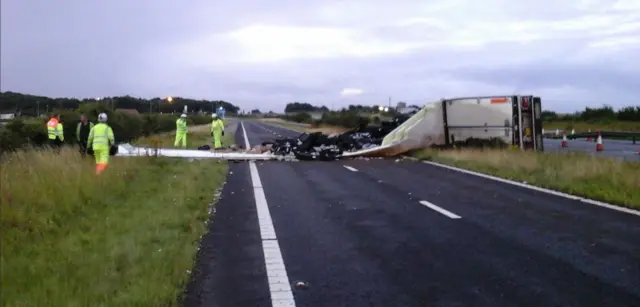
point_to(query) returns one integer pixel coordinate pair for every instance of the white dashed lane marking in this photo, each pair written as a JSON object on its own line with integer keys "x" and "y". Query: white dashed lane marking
{"x": 449, "y": 214}
{"x": 350, "y": 168}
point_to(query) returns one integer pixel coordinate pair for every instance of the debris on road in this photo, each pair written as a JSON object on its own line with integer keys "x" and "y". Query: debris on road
{"x": 301, "y": 285}
{"x": 328, "y": 147}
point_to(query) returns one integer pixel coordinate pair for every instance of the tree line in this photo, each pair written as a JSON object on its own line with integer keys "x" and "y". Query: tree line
{"x": 298, "y": 107}
{"x": 602, "y": 114}
{"x": 31, "y": 105}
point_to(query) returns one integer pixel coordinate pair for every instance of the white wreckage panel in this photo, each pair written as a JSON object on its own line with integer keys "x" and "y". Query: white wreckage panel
{"x": 127, "y": 150}
{"x": 421, "y": 130}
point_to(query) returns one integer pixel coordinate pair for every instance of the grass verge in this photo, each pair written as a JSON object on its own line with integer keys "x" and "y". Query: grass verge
{"x": 125, "y": 238}
{"x": 580, "y": 174}
{"x": 196, "y": 137}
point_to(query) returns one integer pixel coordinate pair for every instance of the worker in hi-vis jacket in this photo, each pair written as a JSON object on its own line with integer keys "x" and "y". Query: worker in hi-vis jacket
{"x": 100, "y": 140}
{"x": 181, "y": 131}
{"x": 217, "y": 130}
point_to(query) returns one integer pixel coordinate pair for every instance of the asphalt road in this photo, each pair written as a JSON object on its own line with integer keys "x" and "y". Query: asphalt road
{"x": 621, "y": 149}
{"x": 384, "y": 233}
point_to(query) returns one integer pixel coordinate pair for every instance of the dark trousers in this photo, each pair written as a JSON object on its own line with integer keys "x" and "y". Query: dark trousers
{"x": 83, "y": 148}
{"x": 55, "y": 144}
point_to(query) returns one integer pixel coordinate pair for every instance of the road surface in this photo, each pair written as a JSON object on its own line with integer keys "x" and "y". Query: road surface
{"x": 385, "y": 233}
{"x": 621, "y": 149}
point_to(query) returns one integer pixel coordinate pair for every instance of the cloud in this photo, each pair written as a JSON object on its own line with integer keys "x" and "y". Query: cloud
{"x": 351, "y": 92}
{"x": 574, "y": 53}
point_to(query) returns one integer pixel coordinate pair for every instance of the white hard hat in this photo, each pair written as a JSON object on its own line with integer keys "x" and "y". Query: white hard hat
{"x": 214, "y": 115}
{"x": 183, "y": 115}
{"x": 102, "y": 117}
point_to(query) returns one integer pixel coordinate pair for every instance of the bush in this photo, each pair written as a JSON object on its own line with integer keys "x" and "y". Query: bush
{"x": 344, "y": 119}
{"x": 301, "y": 117}
{"x": 29, "y": 131}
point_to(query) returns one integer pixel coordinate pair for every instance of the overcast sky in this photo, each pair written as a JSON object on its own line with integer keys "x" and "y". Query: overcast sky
{"x": 259, "y": 53}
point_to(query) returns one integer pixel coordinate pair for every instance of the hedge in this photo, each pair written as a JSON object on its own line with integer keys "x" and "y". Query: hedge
{"x": 342, "y": 119}
{"x": 29, "y": 131}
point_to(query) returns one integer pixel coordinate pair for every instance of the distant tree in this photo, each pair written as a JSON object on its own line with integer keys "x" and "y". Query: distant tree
{"x": 303, "y": 107}
{"x": 32, "y": 104}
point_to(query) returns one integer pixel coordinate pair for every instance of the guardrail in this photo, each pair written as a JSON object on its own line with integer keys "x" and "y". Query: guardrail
{"x": 557, "y": 134}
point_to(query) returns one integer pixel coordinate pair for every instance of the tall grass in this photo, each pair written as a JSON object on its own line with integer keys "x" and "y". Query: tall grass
{"x": 125, "y": 238}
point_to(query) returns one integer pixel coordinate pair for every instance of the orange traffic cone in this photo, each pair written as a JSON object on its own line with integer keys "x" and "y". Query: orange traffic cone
{"x": 564, "y": 142}
{"x": 599, "y": 146}
{"x": 589, "y": 137}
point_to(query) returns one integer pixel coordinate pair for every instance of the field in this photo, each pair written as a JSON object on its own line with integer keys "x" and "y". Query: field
{"x": 125, "y": 238}
{"x": 575, "y": 173}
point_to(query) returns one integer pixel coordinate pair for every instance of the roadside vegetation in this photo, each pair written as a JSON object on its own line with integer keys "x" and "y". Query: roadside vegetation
{"x": 604, "y": 119}
{"x": 31, "y": 132}
{"x": 126, "y": 238}
{"x": 580, "y": 174}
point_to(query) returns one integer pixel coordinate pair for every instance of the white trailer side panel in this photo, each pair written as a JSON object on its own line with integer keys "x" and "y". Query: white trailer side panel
{"x": 480, "y": 117}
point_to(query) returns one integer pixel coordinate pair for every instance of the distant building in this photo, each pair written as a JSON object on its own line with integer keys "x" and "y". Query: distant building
{"x": 400, "y": 106}
{"x": 7, "y": 116}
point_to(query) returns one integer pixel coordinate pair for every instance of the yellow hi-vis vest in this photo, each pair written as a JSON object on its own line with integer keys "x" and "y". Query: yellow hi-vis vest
{"x": 181, "y": 126}
{"x": 55, "y": 129}
{"x": 100, "y": 137}
{"x": 217, "y": 125}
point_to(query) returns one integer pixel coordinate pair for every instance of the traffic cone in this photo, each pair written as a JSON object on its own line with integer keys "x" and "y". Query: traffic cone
{"x": 599, "y": 146}
{"x": 589, "y": 137}
{"x": 564, "y": 142}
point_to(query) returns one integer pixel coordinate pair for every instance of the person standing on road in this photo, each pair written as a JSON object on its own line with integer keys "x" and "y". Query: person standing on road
{"x": 100, "y": 140}
{"x": 55, "y": 131}
{"x": 181, "y": 131}
{"x": 217, "y": 131}
{"x": 82, "y": 133}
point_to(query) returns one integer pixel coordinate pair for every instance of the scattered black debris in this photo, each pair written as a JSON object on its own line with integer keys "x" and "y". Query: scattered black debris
{"x": 323, "y": 147}
{"x": 204, "y": 147}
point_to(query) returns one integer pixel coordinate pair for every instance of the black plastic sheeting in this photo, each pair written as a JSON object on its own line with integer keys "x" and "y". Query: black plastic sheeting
{"x": 321, "y": 147}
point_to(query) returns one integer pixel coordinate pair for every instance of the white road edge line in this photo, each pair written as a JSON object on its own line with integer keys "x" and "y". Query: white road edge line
{"x": 449, "y": 214}
{"x": 539, "y": 189}
{"x": 279, "y": 284}
{"x": 353, "y": 169}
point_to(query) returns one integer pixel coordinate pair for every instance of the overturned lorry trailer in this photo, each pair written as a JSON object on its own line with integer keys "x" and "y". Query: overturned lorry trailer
{"x": 513, "y": 120}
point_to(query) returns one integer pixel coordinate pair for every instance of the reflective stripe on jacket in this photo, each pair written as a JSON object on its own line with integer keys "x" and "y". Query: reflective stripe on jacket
{"x": 100, "y": 137}
{"x": 181, "y": 125}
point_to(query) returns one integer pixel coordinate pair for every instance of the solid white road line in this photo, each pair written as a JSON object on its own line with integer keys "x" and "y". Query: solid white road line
{"x": 279, "y": 285}
{"x": 440, "y": 210}
{"x": 350, "y": 168}
{"x": 539, "y": 189}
